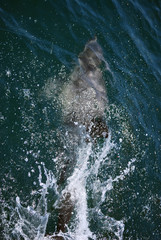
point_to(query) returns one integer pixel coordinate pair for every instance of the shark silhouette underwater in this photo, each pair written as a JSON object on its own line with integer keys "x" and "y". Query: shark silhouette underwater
{"x": 84, "y": 100}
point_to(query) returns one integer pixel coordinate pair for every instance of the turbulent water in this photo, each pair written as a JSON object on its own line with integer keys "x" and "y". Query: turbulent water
{"x": 115, "y": 183}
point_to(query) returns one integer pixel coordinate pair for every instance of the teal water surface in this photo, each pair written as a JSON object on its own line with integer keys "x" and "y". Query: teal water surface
{"x": 39, "y": 45}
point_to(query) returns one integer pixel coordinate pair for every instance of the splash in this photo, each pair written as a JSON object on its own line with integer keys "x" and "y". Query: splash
{"x": 32, "y": 222}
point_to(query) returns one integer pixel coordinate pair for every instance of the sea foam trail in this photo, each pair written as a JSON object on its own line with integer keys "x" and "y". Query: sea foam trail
{"x": 77, "y": 187}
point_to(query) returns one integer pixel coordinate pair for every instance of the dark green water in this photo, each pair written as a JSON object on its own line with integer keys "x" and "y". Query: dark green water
{"x": 39, "y": 45}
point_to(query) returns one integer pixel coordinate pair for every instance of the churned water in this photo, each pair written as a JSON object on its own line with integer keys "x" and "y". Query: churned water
{"x": 115, "y": 184}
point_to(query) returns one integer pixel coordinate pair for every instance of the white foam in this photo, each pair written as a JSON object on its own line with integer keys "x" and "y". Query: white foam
{"x": 77, "y": 184}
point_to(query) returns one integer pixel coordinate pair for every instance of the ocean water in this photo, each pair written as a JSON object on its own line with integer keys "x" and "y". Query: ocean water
{"x": 116, "y": 184}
